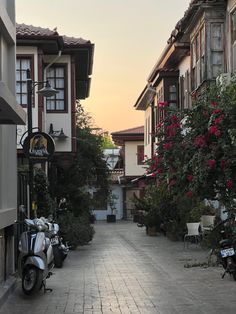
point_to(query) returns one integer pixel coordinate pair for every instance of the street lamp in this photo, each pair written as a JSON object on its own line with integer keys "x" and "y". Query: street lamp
{"x": 46, "y": 91}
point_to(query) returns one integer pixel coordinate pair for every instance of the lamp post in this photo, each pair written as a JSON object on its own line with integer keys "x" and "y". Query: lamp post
{"x": 46, "y": 91}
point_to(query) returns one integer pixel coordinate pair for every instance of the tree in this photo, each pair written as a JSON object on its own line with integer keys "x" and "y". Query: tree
{"x": 89, "y": 168}
{"x": 45, "y": 203}
{"x": 107, "y": 141}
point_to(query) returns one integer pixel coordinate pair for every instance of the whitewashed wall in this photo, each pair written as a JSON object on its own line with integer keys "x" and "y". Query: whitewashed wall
{"x": 131, "y": 166}
{"x": 184, "y": 66}
{"x": 118, "y": 192}
{"x": 8, "y": 173}
{"x": 59, "y": 120}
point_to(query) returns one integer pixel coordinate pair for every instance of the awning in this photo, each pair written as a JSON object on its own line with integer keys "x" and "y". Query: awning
{"x": 143, "y": 177}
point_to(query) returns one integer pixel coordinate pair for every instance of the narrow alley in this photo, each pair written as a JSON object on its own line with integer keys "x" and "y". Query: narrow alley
{"x": 125, "y": 271}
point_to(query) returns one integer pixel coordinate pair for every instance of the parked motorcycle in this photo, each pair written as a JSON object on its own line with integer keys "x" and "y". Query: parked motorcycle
{"x": 226, "y": 251}
{"x": 60, "y": 250}
{"x": 35, "y": 261}
{"x": 227, "y": 255}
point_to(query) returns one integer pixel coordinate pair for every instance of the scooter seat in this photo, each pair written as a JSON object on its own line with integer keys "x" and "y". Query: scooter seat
{"x": 225, "y": 242}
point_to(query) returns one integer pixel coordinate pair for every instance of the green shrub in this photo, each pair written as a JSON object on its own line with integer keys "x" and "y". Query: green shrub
{"x": 76, "y": 230}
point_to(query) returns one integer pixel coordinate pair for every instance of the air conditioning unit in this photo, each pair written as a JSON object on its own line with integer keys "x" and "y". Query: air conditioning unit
{"x": 223, "y": 79}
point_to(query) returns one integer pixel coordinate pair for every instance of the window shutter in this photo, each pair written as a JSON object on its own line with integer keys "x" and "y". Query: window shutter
{"x": 182, "y": 98}
{"x": 140, "y": 154}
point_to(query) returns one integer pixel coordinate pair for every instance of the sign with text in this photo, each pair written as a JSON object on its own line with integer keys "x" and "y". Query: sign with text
{"x": 39, "y": 147}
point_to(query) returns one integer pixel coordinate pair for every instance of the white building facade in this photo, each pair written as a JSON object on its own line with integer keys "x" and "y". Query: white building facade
{"x": 10, "y": 115}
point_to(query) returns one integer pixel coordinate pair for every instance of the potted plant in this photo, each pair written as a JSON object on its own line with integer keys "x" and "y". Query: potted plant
{"x": 208, "y": 214}
{"x": 152, "y": 221}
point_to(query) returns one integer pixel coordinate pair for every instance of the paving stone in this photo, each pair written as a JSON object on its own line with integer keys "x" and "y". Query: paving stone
{"x": 125, "y": 271}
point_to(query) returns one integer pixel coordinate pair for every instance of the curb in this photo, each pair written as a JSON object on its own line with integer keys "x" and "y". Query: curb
{"x": 6, "y": 288}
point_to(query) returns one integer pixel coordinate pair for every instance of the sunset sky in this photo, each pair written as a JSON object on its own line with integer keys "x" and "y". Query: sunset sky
{"x": 129, "y": 36}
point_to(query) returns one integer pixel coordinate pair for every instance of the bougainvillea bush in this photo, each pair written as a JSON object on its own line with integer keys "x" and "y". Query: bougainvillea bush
{"x": 212, "y": 162}
{"x": 196, "y": 148}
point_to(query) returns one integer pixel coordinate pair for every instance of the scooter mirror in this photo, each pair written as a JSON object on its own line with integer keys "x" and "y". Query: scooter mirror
{"x": 22, "y": 209}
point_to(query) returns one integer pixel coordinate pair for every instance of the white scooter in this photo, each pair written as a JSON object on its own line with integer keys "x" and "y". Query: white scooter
{"x": 35, "y": 262}
{"x": 60, "y": 250}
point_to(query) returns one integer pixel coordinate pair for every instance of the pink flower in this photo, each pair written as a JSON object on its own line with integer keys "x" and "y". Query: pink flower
{"x": 167, "y": 146}
{"x": 211, "y": 163}
{"x": 200, "y": 141}
{"x": 216, "y": 111}
{"x": 162, "y": 104}
{"x": 171, "y": 129}
{"x": 219, "y": 120}
{"x": 214, "y": 130}
{"x": 190, "y": 178}
{"x": 189, "y": 194}
{"x": 174, "y": 118}
{"x": 214, "y": 103}
{"x": 229, "y": 184}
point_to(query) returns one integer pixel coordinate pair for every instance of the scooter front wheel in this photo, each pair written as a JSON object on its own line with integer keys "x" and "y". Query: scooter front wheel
{"x": 32, "y": 280}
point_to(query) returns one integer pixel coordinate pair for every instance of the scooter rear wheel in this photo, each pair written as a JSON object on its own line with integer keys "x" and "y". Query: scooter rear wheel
{"x": 32, "y": 280}
{"x": 234, "y": 275}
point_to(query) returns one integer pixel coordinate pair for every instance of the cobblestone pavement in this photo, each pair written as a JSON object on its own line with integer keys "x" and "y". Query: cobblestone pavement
{"x": 125, "y": 271}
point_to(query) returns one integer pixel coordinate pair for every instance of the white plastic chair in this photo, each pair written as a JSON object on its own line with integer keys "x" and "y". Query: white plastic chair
{"x": 193, "y": 232}
{"x": 207, "y": 223}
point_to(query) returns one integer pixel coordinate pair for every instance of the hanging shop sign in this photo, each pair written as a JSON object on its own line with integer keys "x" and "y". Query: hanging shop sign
{"x": 39, "y": 147}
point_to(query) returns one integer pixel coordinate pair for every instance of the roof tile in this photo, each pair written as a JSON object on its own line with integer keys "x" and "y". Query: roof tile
{"x": 136, "y": 130}
{"x": 30, "y": 30}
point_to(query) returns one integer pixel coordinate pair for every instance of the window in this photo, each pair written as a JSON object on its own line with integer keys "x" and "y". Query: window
{"x": 217, "y": 49}
{"x": 173, "y": 96}
{"x": 198, "y": 58}
{"x": 202, "y": 55}
{"x": 210, "y": 48}
{"x": 56, "y": 75}
{"x": 140, "y": 154}
{"x": 159, "y": 112}
{"x": 23, "y": 63}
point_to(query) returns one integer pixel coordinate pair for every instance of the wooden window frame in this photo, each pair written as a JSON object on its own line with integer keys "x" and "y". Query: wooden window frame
{"x": 217, "y": 50}
{"x": 54, "y": 98}
{"x": 140, "y": 158}
{"x": 31, "y": 58}
{"x": 198, "y": 65}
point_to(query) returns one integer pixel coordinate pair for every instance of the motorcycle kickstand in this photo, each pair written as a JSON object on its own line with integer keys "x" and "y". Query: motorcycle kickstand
{"x": 46, "y": 289}
{"x": 222, "y": 276}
